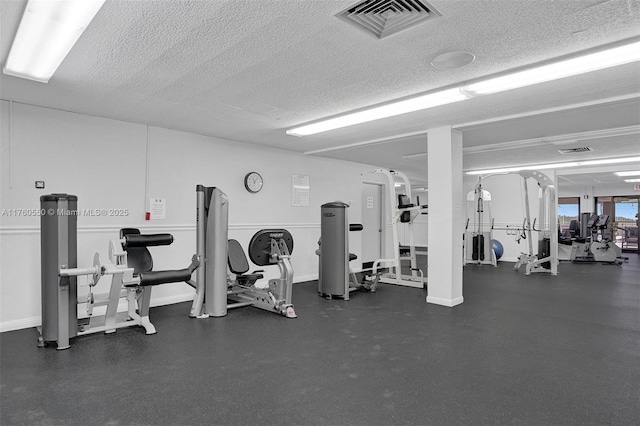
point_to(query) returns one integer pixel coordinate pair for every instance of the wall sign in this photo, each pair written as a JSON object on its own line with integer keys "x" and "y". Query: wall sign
{"x": 300, "y": 190}
{"x": 158, "y": 208}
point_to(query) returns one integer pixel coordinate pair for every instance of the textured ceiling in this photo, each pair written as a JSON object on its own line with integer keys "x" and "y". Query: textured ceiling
{"x": 247, "y": 70}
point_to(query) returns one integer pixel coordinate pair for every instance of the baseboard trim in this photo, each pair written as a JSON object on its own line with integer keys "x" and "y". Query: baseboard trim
{"x": 161, "y": 301}
{"x": 450, "y": 303}
{"x": 20, "y": 324}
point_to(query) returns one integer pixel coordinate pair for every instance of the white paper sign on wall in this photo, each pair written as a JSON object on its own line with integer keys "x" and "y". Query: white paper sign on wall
{"x": 158, "y": 208}
{"x": 300, "y": 190}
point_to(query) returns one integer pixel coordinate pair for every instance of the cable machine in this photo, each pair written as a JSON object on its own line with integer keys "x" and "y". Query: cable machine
{"x": 546, "y": 257}
{"x": 478, "y": 242}
{"x": 404, "y": 212}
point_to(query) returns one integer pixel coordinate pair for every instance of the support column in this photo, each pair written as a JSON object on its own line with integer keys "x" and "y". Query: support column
{"x": 446, "y": 216}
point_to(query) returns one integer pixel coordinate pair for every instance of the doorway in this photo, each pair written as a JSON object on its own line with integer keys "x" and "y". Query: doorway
{"x": 372, "y": 222}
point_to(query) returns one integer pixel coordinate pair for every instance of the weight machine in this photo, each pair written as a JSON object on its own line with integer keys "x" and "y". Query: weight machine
{"x": 130, "y": 266}
{"x": 478, "y": 242}
{"x": 404, "y": 212}
{"x": 596, "y": 247}
{"x": 335, "y": 277}
{"x": 546, "y": 257}
{"x": 215, "y": 288}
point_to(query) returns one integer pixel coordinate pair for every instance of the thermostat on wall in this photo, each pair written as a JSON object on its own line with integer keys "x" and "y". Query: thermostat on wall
{"x": 39, "y": 184}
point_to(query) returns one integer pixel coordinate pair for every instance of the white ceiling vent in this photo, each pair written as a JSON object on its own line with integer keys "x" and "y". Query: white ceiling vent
{"x": 383, "y": 18}
{"x": 574, "y": 150}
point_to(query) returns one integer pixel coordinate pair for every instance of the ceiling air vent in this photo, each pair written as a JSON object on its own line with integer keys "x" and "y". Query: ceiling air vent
{"x": 574, "y": 150}
{"x": 383, "y": 18}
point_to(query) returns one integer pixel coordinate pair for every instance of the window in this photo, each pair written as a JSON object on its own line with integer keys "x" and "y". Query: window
{"x": 568, "y": 210}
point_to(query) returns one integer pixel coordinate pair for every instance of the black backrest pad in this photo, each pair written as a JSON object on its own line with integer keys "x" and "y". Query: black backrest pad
{"x": 574, "y": 228}
{"x": 138, "y": 258}
{"x": 260, "y": 245}
{"x": 236, "y": 258}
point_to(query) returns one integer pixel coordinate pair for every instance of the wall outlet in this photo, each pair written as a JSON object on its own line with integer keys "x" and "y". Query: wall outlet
{"x": 39, "y": 184}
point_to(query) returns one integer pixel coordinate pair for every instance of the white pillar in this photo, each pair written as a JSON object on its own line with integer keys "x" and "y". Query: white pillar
{"x": 446, "y": 216}
{"x": 587, "y": 201}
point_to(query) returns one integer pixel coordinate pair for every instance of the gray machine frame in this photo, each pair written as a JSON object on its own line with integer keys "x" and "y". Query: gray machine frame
{"x": 335, "y": 277}
{"x": 214, "y": 286}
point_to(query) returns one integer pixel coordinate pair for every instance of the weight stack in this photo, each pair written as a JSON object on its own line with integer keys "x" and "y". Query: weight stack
{"x": 58, "y": 248}
{"x": 544, "y": 250}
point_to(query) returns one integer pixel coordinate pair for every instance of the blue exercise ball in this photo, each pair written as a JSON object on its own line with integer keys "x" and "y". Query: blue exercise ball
{"x": 497, "y": 248}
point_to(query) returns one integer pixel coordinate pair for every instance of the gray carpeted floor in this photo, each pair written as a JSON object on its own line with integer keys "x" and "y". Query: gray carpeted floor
{"x": 561, "y": 350}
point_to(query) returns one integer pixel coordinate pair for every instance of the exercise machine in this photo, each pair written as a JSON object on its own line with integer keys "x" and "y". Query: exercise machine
{"x": 404, "y": 212}
{"x": 596, "y": 247}
{"x": 217, "y": 289}
{"x": 545, "y": 258}
{"x": 335, "y": 278}
{"x": 129, "y": 265}
{"x": 478, "y": 241}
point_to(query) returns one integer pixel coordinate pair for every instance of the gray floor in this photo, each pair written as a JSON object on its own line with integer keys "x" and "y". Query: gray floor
{"x": 520, "y": 350}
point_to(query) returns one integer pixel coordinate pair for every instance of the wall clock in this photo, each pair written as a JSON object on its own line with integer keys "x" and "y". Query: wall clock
{"x": 253, "y": 182}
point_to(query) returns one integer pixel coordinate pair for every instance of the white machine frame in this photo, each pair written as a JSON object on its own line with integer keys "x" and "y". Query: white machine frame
{"x": 546, "y": 228}
{"x": 395, "y": 276}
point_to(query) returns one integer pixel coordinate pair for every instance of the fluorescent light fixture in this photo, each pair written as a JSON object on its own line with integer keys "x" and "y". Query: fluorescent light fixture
{"x": 556, "y": 165}
{"x": 634, "y": 173}
{"x": 402, "y": 107}
{"x": 610, "y": 161}
{"x": 417, "y": 156}
{"x": 531, "y": 167}
{"x": 47, "y": 32}
{"x": 567, "y": 67}
{"x": 632, "y": 180}
{"x": 564, "y": 68}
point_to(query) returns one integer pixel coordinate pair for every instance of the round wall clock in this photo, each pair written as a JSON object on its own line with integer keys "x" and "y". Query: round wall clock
{"x": 253, "y": 182}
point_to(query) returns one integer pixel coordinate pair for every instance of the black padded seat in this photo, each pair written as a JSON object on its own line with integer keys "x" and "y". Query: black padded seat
{"x": 565, "y": 241}
{"x": 237, "y": 260}
{"x": 352, "y": 256}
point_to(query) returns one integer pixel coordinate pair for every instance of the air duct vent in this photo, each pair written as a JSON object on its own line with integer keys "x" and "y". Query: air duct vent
{"x": 383, "y": 18}
{"x": 574, "y": 150}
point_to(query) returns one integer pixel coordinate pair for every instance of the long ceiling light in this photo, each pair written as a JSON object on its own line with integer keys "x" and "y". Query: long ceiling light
{"x": 47, "y": 32}
{"x": 632, "y": 173}
{"x": 402, "y": 107}
{"x": 618, "y": 55}
{"x": 564, "y": 68}
{"x": 556, "y": 165}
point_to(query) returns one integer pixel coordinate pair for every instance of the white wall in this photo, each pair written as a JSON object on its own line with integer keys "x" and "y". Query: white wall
{"x": 508, "y": 209}
{"x": 112, "y": 164}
